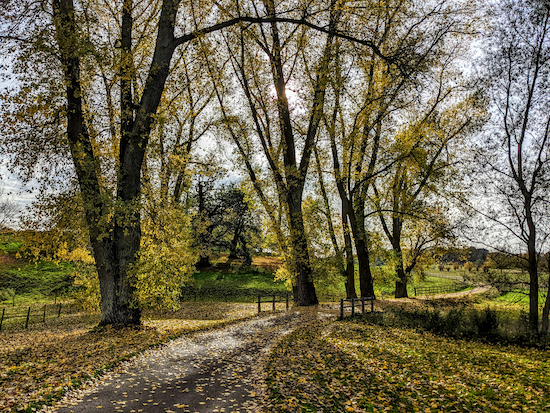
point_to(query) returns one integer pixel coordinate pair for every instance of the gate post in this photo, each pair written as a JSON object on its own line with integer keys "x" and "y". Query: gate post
{"x": 259, "y": 304}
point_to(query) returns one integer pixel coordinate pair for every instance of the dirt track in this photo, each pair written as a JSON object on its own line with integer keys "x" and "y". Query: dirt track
{"x": 213, "y": 371}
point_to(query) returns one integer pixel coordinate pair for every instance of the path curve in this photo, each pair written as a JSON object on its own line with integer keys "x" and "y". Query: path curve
{"x": 213, "y": 371}
{"x": 476, "y": 290}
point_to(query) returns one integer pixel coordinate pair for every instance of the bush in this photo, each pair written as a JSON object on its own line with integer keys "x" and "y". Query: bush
{"x": 460, "y": 322}
{"x": 486, "y": 322}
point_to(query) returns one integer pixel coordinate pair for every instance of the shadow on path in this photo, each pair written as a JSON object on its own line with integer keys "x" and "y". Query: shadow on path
{"x": 212, "y": 371}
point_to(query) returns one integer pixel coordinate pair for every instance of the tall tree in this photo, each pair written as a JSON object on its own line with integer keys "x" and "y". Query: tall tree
{"x": 281, "y": 152}
{"x": 371, "y": 99}
{"x": 516, "y": 159}
{"x": 421, "y": 183}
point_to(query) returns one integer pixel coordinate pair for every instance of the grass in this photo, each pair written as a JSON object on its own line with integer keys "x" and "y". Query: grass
{"x": 387, "y": 291}
{"x": 232, "y": 286}
{"x": 358, "y": 366}
{"x": 31, "y": 282}
{"x": 35, "y": 282}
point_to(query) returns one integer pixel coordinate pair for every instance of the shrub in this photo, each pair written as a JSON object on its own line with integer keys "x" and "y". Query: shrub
{"x": 486, "y": 322}
{"x": 458, "y": 322}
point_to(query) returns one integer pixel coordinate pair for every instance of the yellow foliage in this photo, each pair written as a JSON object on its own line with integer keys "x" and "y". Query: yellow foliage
{"x": 165, "y": 260}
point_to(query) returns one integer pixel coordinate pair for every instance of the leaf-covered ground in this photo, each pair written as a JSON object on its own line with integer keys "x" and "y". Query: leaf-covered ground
{"x": 359, "y": 367}
{"x": 41, "y": 364}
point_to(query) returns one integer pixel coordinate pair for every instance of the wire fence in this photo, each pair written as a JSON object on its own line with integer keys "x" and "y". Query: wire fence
{"x": 440, "y": 289}
{"x": 24, "y": 316}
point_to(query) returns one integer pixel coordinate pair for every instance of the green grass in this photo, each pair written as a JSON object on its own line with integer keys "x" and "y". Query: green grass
{"x": 32, "y": 282}
{"x": 10, "y": 243}
{"x": 236, "y": 285}
{"x": 36, "y": 281}
{"x": 386, "y": 291}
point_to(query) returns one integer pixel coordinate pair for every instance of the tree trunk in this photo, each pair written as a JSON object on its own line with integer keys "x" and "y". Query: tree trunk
{"x": 532, "y": 268}
{"x": 365, "y": 276}
{"x": 304, "y": 293}
{"x": 401, "y": 283}
{"x": 350, "y": 265}
{"x": 117, "y": 303}
{"x": 546, "y": 309}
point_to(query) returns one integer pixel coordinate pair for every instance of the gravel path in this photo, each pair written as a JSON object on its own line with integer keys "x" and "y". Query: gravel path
{"x": 213, "y": 371}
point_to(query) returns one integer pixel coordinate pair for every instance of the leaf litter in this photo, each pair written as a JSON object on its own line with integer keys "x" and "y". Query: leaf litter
{"x": 39, "y": 365}
{"x": 359, "y": 367}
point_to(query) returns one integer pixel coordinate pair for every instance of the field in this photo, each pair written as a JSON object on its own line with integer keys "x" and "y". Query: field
{"x": 409, "y": 355}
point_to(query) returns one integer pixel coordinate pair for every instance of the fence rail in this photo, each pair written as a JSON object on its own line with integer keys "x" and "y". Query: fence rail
{"x": 440, "y": 289}
{"x": 273, "y": 300}
{"x": 35, "y": 314}
{"x": 353, "y": 302}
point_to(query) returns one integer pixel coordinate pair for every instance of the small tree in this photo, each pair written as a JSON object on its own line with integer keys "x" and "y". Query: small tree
{"x": 8, "y": 209}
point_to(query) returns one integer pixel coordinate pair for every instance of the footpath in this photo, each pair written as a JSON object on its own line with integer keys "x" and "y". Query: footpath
{"x": 213, "y": 371}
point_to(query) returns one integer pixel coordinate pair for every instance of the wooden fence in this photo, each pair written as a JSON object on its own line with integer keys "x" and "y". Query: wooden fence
{"x": 440, "y": 289}
{"x": 355, "y": 302}
{"x": 35, "y": 314}
{"x": 272, "y": 298}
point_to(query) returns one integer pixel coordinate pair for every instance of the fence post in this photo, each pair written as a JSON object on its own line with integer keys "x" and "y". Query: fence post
{"x": 341, "y": 308}
{"x": 44, "y": 315}
{"x": 352, "y": 306}
{"x": 362, "y": 305}
{"x": 415, "y": 291}
{"x": 259, "y": 304}
{"x": 372, "y": 304}
{"x": 2, "y": 319}
{"x": 287, "y": 301}
{"x": 59, "y": 311}
{"x": 273, "y": 302}
{"x": 28, "y": 315}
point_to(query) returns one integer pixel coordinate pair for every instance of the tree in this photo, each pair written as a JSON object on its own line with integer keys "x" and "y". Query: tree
{"x": 288, "y": 169}
{"x": 370, "y": 100}
{"x": 240, "y": 225}
{"x": 416, "y": 189}
{"x": 515, "y": 161}
{"x": 8, "y": 209}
